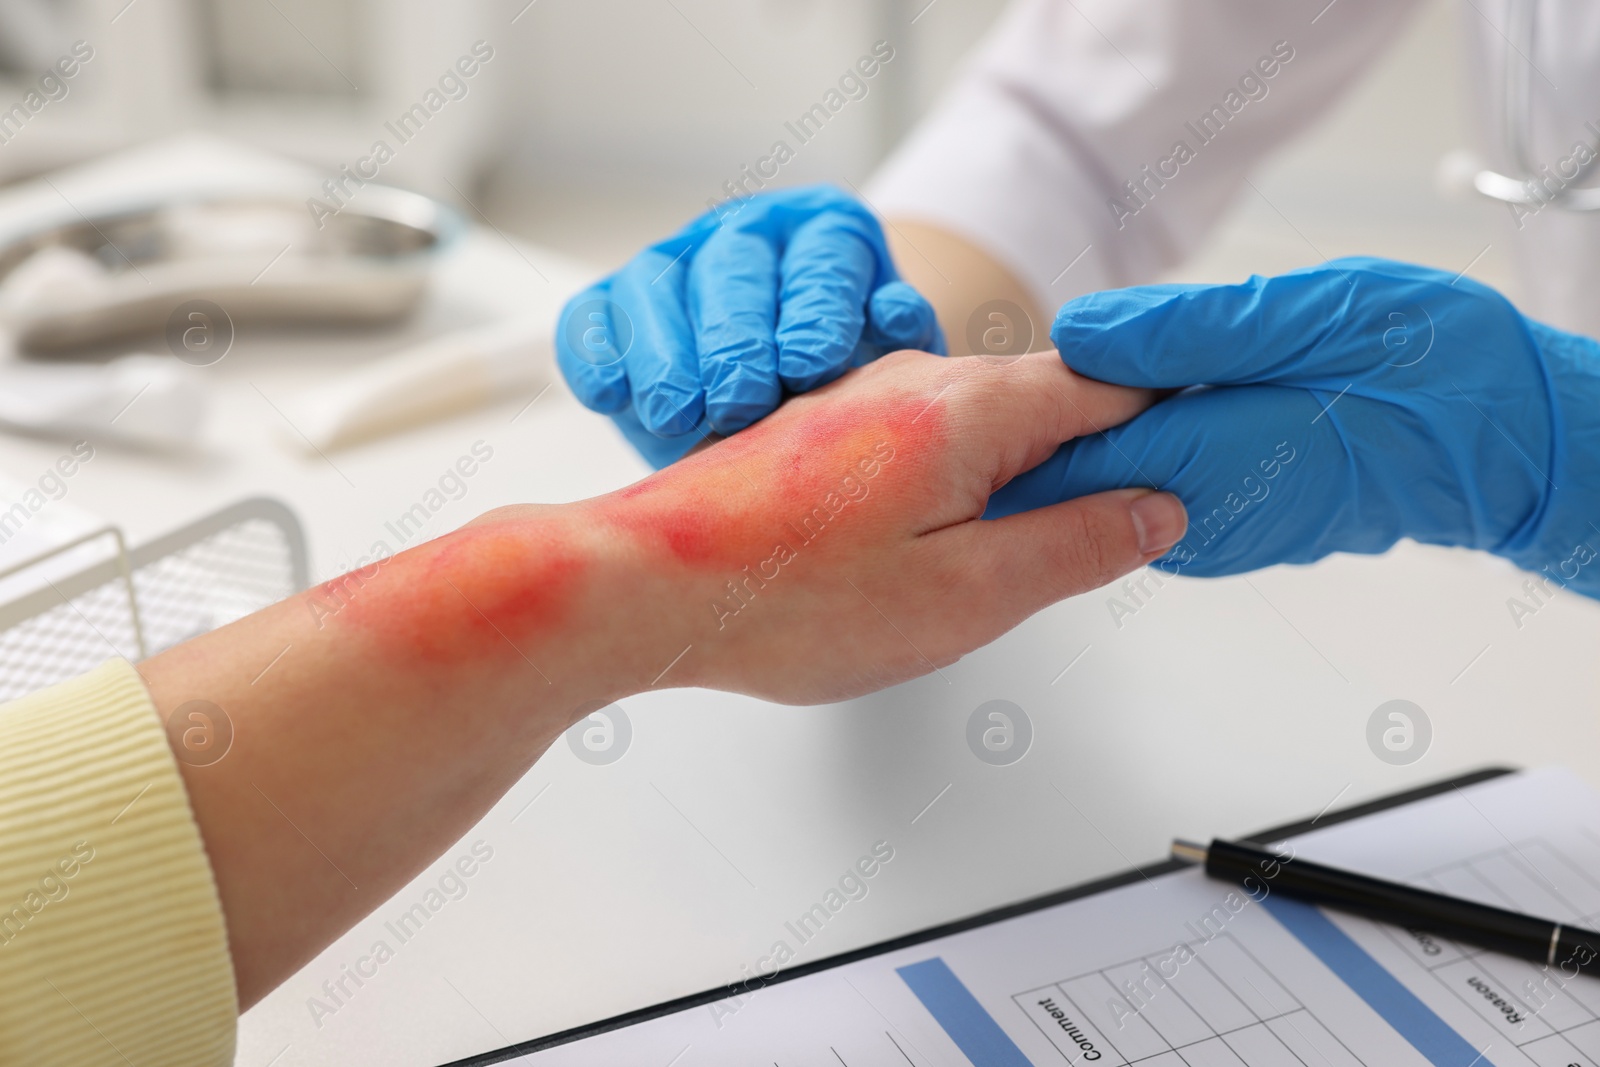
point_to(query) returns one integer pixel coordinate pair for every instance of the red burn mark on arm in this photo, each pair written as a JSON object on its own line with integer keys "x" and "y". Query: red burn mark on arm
{"x": 489, "y": 591}
{"x": 495, "y": 590}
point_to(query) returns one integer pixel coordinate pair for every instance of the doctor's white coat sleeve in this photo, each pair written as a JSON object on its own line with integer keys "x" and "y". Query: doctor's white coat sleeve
{"x": 1108, "y": 136}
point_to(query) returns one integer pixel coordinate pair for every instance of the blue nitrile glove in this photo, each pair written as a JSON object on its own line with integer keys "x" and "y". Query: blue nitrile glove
{"x": 1351, "y": 405}
{"x": 703, "y": 332}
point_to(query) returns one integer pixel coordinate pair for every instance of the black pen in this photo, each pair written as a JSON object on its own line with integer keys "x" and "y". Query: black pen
{"x": 1262, "y": 871}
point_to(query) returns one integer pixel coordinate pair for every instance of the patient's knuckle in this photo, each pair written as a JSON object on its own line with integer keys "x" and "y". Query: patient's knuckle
{"x": 897, "y": 361}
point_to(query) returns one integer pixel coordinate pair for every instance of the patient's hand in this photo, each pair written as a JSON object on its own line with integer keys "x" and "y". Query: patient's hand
{"x": 837, "y": 546}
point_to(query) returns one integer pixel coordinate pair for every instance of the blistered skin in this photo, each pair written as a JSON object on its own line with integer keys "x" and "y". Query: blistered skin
{"x": 499, "y": 587}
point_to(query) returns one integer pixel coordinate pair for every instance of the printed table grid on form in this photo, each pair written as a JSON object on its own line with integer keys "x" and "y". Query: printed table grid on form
{"x": 1223, "y": 1007}
{"x": 1553, "y": 1021}
{"x": 1216, "y": 1007}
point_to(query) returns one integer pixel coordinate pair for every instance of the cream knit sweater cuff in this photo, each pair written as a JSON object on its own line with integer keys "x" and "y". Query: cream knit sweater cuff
{"x": 113, "y": 948}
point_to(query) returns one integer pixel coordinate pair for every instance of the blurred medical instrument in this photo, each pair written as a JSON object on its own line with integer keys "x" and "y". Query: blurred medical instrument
{"x": 1531, "y": 190}
{"x": 115, "y": 251}
{"x": 77, "y": 279}
{"x": 144, "y": 400}
{"x": 444, "y": 376}
{"x": 30, "y": 31}
{"x": 67, "y": 606}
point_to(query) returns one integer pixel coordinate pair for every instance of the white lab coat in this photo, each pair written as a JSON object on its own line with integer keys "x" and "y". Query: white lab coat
{"x": 1069, "y": 101}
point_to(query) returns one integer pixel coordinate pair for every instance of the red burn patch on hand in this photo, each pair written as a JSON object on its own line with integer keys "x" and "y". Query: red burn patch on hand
{"x": 716, "y": 508}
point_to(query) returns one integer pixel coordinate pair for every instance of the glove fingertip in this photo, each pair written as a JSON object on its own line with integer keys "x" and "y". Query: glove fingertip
{"x": 730, "y": 416}
{"x": 602, "y": 389}
{"x": 607, "y": 398}
{"x": 899, "y": 317}
{"x": 740, "y": 401}
{"x": 1122, "y": 335}
{"x": 667, "y": 415}
{"x": 811, "y": 355}
{"x": 802, "y": 370}
{"x": 1080, "y": 319}
{"x": 741, "y": 382}
{"x": 656, "y": 450}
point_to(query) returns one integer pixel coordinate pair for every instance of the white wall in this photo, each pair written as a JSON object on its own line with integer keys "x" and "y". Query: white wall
{"x": 1364, "y": 180}
{"x": 617, "y": 150}
{"x": 645, "y": 94}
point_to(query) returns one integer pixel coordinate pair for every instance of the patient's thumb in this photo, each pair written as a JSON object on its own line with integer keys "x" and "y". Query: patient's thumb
{"x": 1065, "y": 549}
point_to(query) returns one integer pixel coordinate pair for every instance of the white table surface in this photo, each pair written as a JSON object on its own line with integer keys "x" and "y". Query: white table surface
{"x": 1220, "y": 707}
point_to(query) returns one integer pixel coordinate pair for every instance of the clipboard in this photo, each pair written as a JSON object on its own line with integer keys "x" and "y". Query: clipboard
{"x": 1097, "y": 888}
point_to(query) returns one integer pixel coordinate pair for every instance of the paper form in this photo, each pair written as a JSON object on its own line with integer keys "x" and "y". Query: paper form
{"x": 1169, "y": 972}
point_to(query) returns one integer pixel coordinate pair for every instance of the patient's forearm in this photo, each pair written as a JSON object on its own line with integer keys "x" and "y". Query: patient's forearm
{"x": 958, "y": 278}
{"x": 377, "y": 717}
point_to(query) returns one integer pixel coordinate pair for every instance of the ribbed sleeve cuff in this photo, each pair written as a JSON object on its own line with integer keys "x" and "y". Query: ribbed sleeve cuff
{"x": 112, "y": 943}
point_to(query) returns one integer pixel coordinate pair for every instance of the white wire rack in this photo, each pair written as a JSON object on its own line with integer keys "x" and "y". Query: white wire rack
{"x": 137, "y": 602}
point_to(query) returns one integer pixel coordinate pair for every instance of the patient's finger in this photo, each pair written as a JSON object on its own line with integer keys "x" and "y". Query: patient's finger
{"x": 1024, "y": 409}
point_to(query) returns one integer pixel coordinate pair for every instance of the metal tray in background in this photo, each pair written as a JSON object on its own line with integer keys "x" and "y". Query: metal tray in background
{"x": 262, "y": 259}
